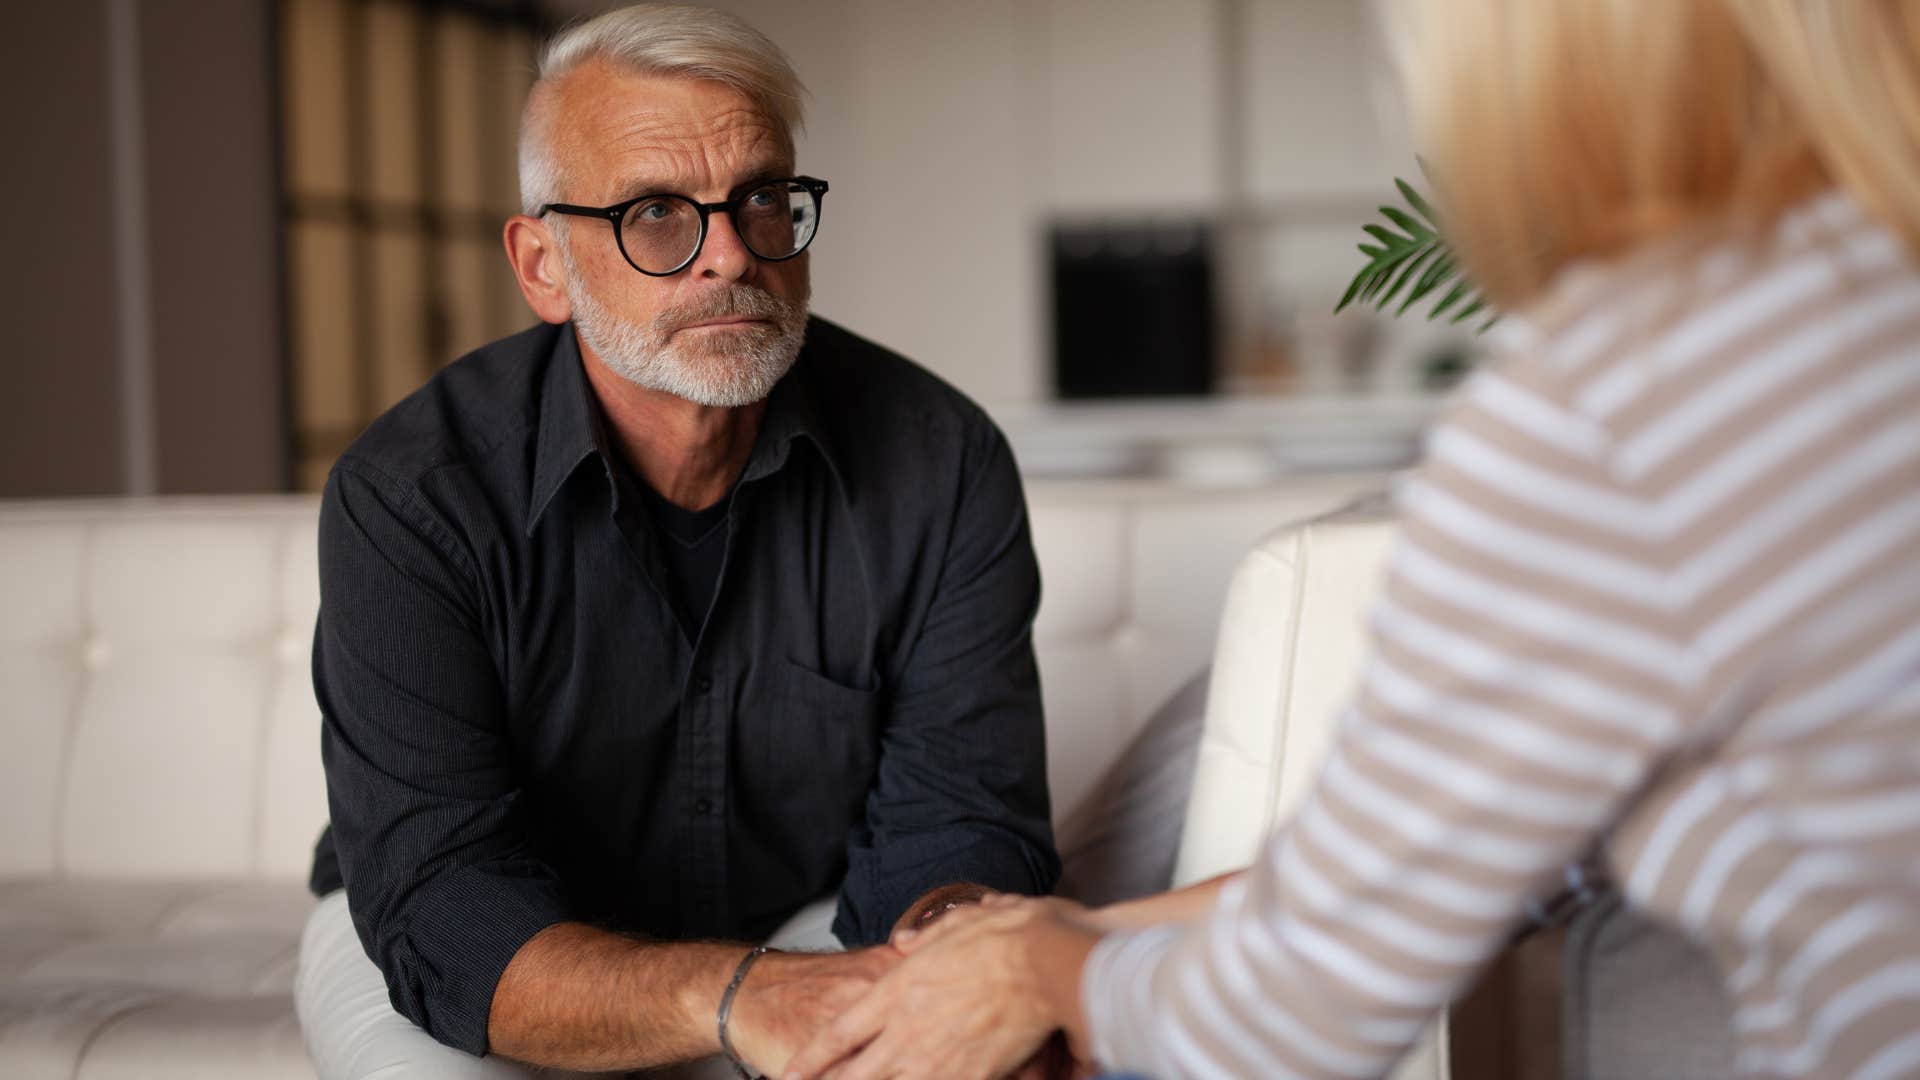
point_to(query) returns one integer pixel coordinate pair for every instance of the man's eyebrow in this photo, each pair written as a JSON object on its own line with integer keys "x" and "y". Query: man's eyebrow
{"x": 637, "y": 189}
{"x": 760, "y": 176}
{"x": 634, "y": 189}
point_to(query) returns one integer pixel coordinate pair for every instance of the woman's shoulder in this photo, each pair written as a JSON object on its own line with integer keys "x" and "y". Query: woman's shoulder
{"x": 1623, "y": 341}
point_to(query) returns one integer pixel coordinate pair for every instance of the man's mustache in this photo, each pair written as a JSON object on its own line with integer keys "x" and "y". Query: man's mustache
{"x": 735, "y": 302}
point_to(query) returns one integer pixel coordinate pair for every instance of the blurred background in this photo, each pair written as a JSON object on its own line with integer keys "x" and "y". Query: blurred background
{"x": 243, "y": 228}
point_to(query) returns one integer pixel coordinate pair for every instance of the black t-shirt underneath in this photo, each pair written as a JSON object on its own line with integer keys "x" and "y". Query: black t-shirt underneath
{"x": 694, "y": 547}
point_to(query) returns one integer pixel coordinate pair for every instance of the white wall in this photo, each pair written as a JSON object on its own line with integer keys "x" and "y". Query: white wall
{"x": 953, "y": 132}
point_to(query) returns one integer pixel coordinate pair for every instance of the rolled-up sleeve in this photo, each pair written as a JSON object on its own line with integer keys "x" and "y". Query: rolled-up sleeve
{"x": 961, "y": 793}
{"x": 443, "y": 886}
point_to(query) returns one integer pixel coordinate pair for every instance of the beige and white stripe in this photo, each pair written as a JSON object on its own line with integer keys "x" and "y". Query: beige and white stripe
{"x": 1659, "y": 585}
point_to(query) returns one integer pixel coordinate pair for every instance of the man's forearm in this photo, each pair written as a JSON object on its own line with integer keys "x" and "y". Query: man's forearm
{"x": 575, "y": 997}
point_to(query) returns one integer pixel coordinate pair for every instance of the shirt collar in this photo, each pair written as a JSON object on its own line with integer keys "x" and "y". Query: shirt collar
{"x": 565, "y": 435}
{"x": 567, "y": 425}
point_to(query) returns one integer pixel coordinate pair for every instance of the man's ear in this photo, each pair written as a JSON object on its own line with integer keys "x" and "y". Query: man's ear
{"x": 536, "y": 266}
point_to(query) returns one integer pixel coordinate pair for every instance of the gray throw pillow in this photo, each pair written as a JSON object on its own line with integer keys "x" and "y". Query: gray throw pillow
{"x": 1121, "y": 840}
{"x": 1642, "y": 1001}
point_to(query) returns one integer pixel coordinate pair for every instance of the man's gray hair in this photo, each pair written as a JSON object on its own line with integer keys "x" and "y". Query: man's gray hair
{"x": 680, "y": 40}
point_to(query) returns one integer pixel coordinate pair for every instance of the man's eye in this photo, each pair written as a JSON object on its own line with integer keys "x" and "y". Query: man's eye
{"x": 654, "y": 211}
{"x": 764, "y": 199}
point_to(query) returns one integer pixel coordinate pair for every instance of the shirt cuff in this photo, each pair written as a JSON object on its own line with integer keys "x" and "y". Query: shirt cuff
{"x": 882, "y": 882}
{"x": 1117, "y": 996}
{"x": 462, "y": 933}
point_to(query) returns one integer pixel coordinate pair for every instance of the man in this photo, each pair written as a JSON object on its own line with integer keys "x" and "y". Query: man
{"x": 644, "y": 628}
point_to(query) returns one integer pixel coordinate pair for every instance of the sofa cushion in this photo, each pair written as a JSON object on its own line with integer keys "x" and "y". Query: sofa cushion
{"x": 112, "y": 1032}
{"x": 159, "y": 718}
{"x": 150, "y": 978}
{"x": 1290, "y": 645}
{"x": 1292, "y": 639}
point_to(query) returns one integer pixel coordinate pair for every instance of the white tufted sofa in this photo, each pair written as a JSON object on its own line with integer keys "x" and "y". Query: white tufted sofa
{"x": 1292, "y": 639}
{"x": 160, "y": 791}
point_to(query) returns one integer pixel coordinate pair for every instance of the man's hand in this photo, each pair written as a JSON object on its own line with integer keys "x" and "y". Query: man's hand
{"x": 984, "y": 989}
{"x": 788, "y": 997}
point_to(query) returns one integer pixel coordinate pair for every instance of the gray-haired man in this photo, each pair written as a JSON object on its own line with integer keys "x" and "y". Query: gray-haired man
{"x": 645, "y": 628}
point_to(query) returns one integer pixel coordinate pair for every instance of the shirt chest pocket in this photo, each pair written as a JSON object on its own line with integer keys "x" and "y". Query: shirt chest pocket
{"x": 822, "y": 738}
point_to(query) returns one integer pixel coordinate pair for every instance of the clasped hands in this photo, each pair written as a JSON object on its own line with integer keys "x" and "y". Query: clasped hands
{"x": 985, "y": 991}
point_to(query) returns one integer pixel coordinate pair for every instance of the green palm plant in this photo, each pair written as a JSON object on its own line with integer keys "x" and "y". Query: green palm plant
{"x": 1411, "y": 257}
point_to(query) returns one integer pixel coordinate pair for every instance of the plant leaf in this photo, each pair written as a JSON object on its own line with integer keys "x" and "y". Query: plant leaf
{"x": 1408, "y": 273}
{"x": 1454, "y": 295}
{"x": 1440, "y": 272}
{"x": 1479, "y": 304}
{"x": 1386, "y": 236}
{"x": 1410, "y": 265}
{"x": 1406, "y": 221}
{"x": 1384, "y": 270}
{"x": 1360, "y": 279}
{"x": 1419, "y": 204}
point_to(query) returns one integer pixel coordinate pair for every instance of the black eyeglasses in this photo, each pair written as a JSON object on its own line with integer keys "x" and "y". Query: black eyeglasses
{"x": 661, "y": 235}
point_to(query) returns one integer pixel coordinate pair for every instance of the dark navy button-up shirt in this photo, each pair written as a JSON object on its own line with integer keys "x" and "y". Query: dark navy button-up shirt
{"x": 518, "y": 730}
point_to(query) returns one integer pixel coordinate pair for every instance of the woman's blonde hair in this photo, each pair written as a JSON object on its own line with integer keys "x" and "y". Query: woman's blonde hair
{"x": 1560, "y": 130}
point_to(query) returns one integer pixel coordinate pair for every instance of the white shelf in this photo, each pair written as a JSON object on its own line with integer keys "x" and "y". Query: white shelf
{"x": 1227, "y": 441}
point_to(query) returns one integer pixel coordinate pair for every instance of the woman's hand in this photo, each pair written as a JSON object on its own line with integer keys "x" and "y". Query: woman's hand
{"x": 983, "y": 988}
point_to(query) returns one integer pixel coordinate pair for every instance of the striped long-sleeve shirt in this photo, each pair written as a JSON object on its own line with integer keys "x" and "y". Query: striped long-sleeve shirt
{"x": 1658, "y": 586}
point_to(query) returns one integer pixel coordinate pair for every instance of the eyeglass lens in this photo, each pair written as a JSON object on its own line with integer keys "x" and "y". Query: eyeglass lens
{"x": 774, "y": 221}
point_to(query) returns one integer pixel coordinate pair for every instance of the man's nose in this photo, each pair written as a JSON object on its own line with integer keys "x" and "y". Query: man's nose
{"x": 724, "y": 255}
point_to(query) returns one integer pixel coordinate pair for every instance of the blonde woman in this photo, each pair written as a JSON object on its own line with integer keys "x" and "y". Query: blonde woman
{"x": 1658, "y": 587}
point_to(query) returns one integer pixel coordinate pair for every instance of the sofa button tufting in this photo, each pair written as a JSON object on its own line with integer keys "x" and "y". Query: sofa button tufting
{"x": 290, "y": 646}
{"x": 96, "y": 653}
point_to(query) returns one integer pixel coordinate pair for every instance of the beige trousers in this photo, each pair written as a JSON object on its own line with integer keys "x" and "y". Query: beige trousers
{"x": 352, "y": 1032}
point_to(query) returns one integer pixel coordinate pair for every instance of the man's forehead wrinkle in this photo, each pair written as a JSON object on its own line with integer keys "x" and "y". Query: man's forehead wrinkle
{"x": 676, "y": 123}
{"x": 653, "y": 148}
{"x": 627, "y": 129}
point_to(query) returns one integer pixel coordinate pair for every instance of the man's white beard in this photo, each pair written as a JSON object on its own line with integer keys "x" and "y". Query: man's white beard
{"x": 732, "y": 368}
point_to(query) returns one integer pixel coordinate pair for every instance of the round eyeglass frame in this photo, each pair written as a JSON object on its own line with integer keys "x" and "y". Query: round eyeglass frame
{"x": 612, "y": 215}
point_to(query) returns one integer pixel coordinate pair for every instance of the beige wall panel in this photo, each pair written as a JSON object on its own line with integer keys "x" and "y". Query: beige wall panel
{"x": 400, "y": 310}
{"x": 467, "y": 270}
{"x": 312, "y": 472}
{"x": 392, "y": 101}
{"x": 460, "y": 43}
{"x": 320, "y": 271}
{"x": 313, "y": 36}
{"x": 511, "y": 59}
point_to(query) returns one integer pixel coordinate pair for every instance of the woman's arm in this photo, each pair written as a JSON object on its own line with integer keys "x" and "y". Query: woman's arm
{"x": 1178, "y": 906}
{"x": 1527, "y": 668}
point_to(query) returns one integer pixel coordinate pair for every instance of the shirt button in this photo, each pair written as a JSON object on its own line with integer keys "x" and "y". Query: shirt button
{"x": 703, "y": 684}
{"x": 704, "y": 806}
